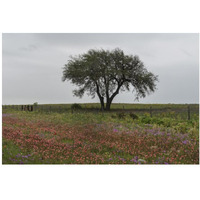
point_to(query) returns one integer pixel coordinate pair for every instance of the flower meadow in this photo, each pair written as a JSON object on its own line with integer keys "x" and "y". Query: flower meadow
{"x": 68, "y": 139}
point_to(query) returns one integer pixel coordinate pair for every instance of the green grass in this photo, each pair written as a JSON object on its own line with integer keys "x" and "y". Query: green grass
{"x": 13, "y": 154}
{"x": 174, "y": 121}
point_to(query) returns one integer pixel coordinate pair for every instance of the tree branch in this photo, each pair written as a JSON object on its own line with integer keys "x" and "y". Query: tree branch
{"x": 116, "y": 91}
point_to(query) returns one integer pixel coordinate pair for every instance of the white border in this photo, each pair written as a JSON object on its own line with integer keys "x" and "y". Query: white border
{"x": 99, "y": 182}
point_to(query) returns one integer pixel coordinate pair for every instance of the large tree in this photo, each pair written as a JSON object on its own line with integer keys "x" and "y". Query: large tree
{"x": 106, "y": 73}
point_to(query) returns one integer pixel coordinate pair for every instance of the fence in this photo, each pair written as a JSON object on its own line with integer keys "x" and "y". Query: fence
{"x": 186, "y": 111}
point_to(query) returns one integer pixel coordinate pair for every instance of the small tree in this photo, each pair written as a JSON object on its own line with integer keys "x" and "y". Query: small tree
{"x": 106, "y": 73}
{"x": 35, "y": 104}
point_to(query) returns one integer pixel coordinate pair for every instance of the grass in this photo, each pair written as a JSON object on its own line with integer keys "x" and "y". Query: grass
{"x": 13, "y": 154}
{"x": 100, "y": 137}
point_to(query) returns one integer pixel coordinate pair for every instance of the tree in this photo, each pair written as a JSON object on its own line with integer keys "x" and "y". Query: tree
{"x": 106, "y": 73}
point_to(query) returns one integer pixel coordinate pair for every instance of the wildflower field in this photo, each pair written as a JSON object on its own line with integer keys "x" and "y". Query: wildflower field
{"x": 99, "y": 138}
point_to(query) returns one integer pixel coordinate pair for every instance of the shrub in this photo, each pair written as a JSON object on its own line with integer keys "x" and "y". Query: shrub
{"x": 133, "y": 116}
{"x": 121, "y": 115}
{"x": 35, "y": 104}
{"x": 181, "y": 128}
{"x": 146, "y": 120}
{"x": 114, "y": 116}
{"x": 76, "y": 106}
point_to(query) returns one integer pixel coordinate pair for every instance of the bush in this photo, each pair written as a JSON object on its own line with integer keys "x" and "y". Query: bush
{"x": 146, "y": 120}
{"x": 181, "y": 128}
{"x": 76, "y": 106}
{"x": 121, "y": 115}
{"x": 133, "y": 116}
{"x": 114, "y": 116}
{"x": 35, "y": 104}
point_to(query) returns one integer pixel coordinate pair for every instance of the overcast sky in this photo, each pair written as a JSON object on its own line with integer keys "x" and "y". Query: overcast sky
{"x": 33, "y": 65}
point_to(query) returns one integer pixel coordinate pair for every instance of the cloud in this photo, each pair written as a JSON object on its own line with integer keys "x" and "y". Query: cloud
{"x": 29, "y": 48}
{"x": 34, "y": 63}
{"x": 186, "y": 53}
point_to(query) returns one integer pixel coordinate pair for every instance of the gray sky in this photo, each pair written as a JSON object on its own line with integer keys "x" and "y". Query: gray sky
{"x": 32, "y": 65}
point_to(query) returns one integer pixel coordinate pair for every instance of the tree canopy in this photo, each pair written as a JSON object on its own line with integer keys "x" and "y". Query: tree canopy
{"x": 106, "y": 73}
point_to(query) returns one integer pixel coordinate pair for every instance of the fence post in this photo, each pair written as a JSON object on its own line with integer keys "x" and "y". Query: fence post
{"x": 188, "y": 112}
{"x": 150, "y": 110}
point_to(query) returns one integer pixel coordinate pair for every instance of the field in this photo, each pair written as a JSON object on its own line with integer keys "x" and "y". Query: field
{"x": 128, "y": 134}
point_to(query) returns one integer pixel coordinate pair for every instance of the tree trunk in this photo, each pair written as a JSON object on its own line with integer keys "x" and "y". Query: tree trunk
{"x": 102, "y": 103}
{"x": 100, "y": 97}
{"x": 110, "y": 99}
{"x": 108, "y": 104}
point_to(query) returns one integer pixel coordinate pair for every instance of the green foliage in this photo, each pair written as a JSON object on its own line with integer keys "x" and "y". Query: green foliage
{"x": 181, "y": 127}
{"x": 114, "y": 116}
{"x": 146, "y": 120}
{"x": 106, "y": 73}
{"x": 171, "y": 120}
{"x": 133, "y": 116}
{"x": 76, "y": 106}
{"x": 121, "y": 115}
{"x": 35, "y": 104}
{"x": 155, "y": 120}
{"x": 10, "y": 150}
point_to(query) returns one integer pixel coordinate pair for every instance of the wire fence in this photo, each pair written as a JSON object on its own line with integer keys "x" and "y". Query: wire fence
{"x": 184, "y": 111}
